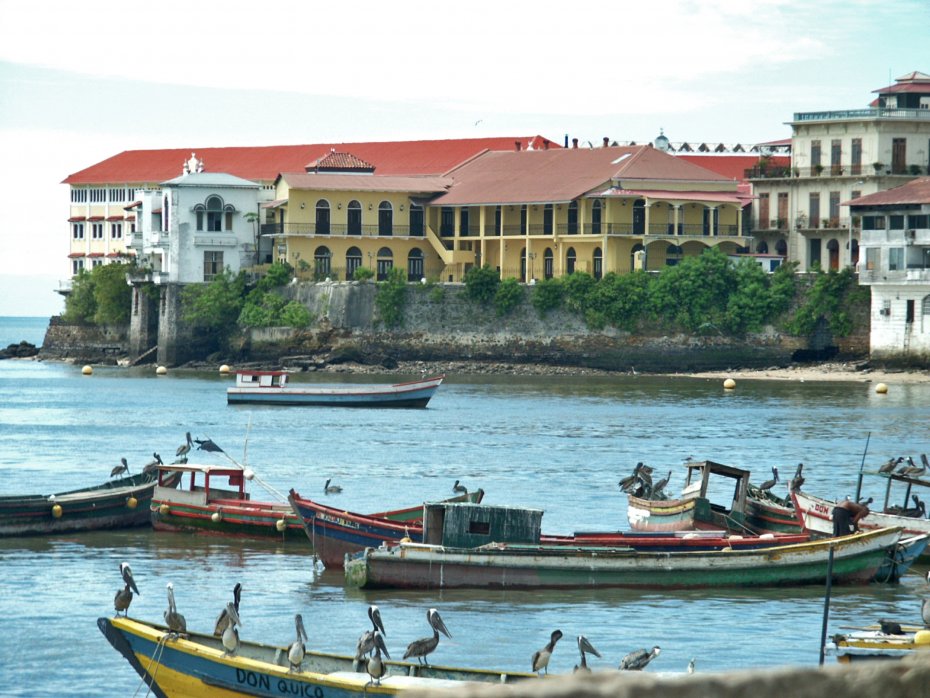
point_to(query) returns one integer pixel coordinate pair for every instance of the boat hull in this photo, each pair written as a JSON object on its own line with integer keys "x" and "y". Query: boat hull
{"x": 856, "y": 559}
{"x": 195, "y": 666}
{"x": 873, "y": 645}
{"x": 767, "y": 516}
{"x": 414, "y": 394}
{"x": 122, "y": 503}
{"x": 233, "y": 520}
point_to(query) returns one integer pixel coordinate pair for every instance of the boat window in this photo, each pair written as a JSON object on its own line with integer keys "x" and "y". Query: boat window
{"x": 480, "y": 527}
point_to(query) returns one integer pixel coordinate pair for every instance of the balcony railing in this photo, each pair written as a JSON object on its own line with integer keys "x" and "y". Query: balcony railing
{"x": 917, "y": 274}
{"x": 338, "y": 230}
{"x": 872, "y": 113}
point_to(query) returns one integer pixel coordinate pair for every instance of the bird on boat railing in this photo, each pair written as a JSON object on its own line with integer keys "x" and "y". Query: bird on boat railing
{"x": 223, "y": 620}
{"x": 638, "y": 659}
{"x": 298, "y": 648}
{"x": 890, "y": 627}
{"x": 366, "y": 642}
{"x": 541, "y": 657}
{"x": 375, "y": 667}
{"x": 769, "y": 484}
{"x": 331, "y": 489}
{"x": 174, "y": 620}
{"x": 918, "y": 511}
{"x": 660, "y": 485}
{"x": 925, "y": 607}
{"x": 152, "y": 465}
{"x": 583, "y": 647}
{"x": 891, "y": 464}
{"x": 184, "y": 448}
{"x": 123, "y": 467}
{"x": 461, "y": 489}
{"x": 912, "y": 469}
{"x": 797, "y": 480}
{"x": 425, "y": 646}
{"x": 124, "y": 596}
{"x": 231, "y": 633}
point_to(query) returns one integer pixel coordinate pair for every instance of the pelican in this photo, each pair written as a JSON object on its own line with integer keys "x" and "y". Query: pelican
{"x": 421, "y": 648}
{"x": 231, "y": 634}
{"x": 331, "y": 489}
{"x": 890, "y": 465}
{"x": 925, "y": 608}
{"x": 184, "y": 448}
{"x": 585, "y": 646}
{"x": 797, "y": 480}
{"x": 297, "y": 650}
{"x": 223, "y": 619}
{"x": 638, "y": 659}
{"x": 660, "y": 485}
{"x": 174, "y": 620}
{"x": 152, "y": 465}
{"x": 541, "y": 657}
{"x": 375, "y": 666}
{"x": 769, "y": 484}
{"x": 912, "y": 469}
{"x": 123, "y": 467}
{"x": 461, "y": 489}
{"x": 124, "y": 595}
{"x": 366, "y": 643}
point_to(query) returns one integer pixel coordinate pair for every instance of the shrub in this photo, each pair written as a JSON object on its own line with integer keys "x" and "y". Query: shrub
{"x": 481, "y": 284}
{"x": 577, "y": 287}
{"x": 508, "y": 296}
{"x": 391, "y": 297}
{"x": 362, "y": 274}
{"x": 547, "y": 295}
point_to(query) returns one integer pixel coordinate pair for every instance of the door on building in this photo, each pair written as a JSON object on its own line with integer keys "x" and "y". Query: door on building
{"x": 813, "y": 256}
{"x": 909, "y": 315}
{"x": 639, "y": 217}
{"x": 833, "y": 250}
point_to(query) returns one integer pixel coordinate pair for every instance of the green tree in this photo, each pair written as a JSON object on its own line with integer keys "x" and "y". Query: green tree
{"x": 508, "y": 296}
{"x": 214, "y": 307}
{"x": 695, "y": 292}
{"x": 112, "y": 294}
{"x": 548, "y": 295}
{"x": 577, "y": 287}
{"x": 80, "y": 305}
{"x": 621, "y": 300}
{"x": 481, "y": 284}
{"x": 826, "y": 298}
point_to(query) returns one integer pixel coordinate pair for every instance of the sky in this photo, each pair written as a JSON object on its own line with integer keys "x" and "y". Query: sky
{"x": 80, "y": 82}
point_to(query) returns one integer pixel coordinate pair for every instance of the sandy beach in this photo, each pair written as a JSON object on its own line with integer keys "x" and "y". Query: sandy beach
{"x": 838, "y": 371}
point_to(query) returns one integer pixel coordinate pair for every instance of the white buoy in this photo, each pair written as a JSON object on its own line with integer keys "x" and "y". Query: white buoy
{"x": 729, "y": 384}
{"x": 280, "y": 524}
{"x": 87, "y": 370}
{"x": 248, "y": 473}
{"x": 224, "y": 369}
{"x": 216, "y": 517}
{"x": 881, "y": 388}
{"x": 161, "y": 371}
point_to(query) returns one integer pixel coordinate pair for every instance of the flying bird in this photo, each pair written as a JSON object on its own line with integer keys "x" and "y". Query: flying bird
{"x": 425, "y": 646}
{"x": 208, "y": 445}
{"x": 541, "y": 657}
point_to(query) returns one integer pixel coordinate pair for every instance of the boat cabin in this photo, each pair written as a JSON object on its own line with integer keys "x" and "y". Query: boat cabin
{"x": 911, "y": 504}
{"x": 460, "y": 525}
{"x": 261, "y": 379}
{"x": 720, "y": 492}
{"x": 202, "y": 484}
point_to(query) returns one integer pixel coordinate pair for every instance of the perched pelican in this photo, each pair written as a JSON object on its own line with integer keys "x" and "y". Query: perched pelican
{"x": 366, "y": 643}
{"x": 660, "y": 485}
{"x": 123, "y": 467}
{"x": 184, "y": 448}
{"x": 769, "y": 484}
{"x": 421, "y": 648}
{"x": 223, "y": 619}
{"x": 231, "y": 633}
{"x": 461, "y": 489}
{"x": 797, "y": 480}
{"x": 691, "y": 666}
{"x": 124, "y": 595}
{"x": 585, "y": 646}
{"x": 638, "y": 659}
{"x": 297, "y": 650}
{"x": 890, "y": 627}
{"x": 331, "y": 489}
{"x": 925, "y": 607}
{"x": 152, "y": 464}
{"x": 375, "y": 666}
{"x": 174, "y": 620}
{"x": 541, "y": 657}
{"x": 912, "y": 469}
{"x": 890, "y": 465}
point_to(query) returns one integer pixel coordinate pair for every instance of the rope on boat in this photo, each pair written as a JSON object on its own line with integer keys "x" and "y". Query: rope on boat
{"x": 155, "y": 659}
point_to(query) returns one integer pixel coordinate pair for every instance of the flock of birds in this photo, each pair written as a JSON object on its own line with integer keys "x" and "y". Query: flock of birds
{"x": 371, "y": 648}
{"x": 907, "y": 467}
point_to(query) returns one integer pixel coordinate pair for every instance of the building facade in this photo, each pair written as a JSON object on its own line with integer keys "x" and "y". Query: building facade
{"x": 895, "y": 263}
{"x": 838, "y": 156}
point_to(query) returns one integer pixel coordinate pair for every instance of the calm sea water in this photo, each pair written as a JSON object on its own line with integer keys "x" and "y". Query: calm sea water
{"x": 14, "y": 330}
{"x": 559, "y": 444}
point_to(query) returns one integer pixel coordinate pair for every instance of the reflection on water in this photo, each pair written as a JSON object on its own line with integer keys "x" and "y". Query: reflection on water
{"x": 556, "y": 443}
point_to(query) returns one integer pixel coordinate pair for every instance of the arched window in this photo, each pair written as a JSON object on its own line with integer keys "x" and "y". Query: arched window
{"x": 199, "y": 211}
{"x": 598, "y": 263}
{"x": 322, "y": 217}
{"x": 639, "y": 217}
{"x": 214, "y": 214}
{"x": 637, "y": 261}
{"x": 573, "y": 218}
{"x": 385, "y": 262}
{"x": 547, "y": 264}
{"x": 672, "y": 255}
{"x": 596, "y": 217}
{"x": 414, "y": 265}
{"x": 570, "y": 261}
{"x": 322, "y": 262}
{"x": 781, "y": 248}
{"x": 354, "y": 219}
{"x": 416, "y": 220}
{"x": 762, "y": 247}
{"x": 833, "y": 250}
{"x": 385, "y": 218}
{"x": 353, "y": 261}
{"x": 854, "y": 252}
{"x": 229, "y": 210}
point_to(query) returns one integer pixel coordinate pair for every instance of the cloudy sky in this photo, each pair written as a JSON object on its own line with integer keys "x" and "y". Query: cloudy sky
{"x": 80, "y": 82}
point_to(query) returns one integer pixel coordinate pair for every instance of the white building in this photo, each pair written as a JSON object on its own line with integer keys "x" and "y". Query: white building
{"x": 194, "y": 226}
{"x": 895, "y": 262}
{"x": 838, "y": 156}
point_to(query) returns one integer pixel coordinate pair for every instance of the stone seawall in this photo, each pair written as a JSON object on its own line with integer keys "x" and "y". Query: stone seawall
{"x": 86, "y": 343}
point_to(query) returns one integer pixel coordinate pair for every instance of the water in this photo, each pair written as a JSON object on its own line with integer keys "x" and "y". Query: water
{"x": 554, "y": 443}
{"x": 14, "y": 330}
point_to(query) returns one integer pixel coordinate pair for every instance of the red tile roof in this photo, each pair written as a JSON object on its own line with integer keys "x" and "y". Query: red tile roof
{"x": 553, "y": 176}
{"x": 734, "y": 166}
{"x": 916, "y": 191}
{"x": 266, "y": 162}
{"x": 77, "y": 219}
{"x": 333, "y": 161}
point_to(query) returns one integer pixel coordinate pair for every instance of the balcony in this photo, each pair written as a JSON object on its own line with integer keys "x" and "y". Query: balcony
{"x": 918, "y": 275}
{"x": 859, "y": 114}
{"x": 899, "y": 238}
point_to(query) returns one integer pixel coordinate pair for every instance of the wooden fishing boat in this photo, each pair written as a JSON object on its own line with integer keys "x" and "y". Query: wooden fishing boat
{"x": 700, "y": 505}
{"x": 271, "y": 388}
{"x": 119, "y": 503}
{"x": 335, "y": 532}
{"x": 871, "y": 645}
{"x": 767, "y": 512}
{"x": 214, "y": 500}
{"x": 196, "y": 665}
{"x": 500, "y": 547}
